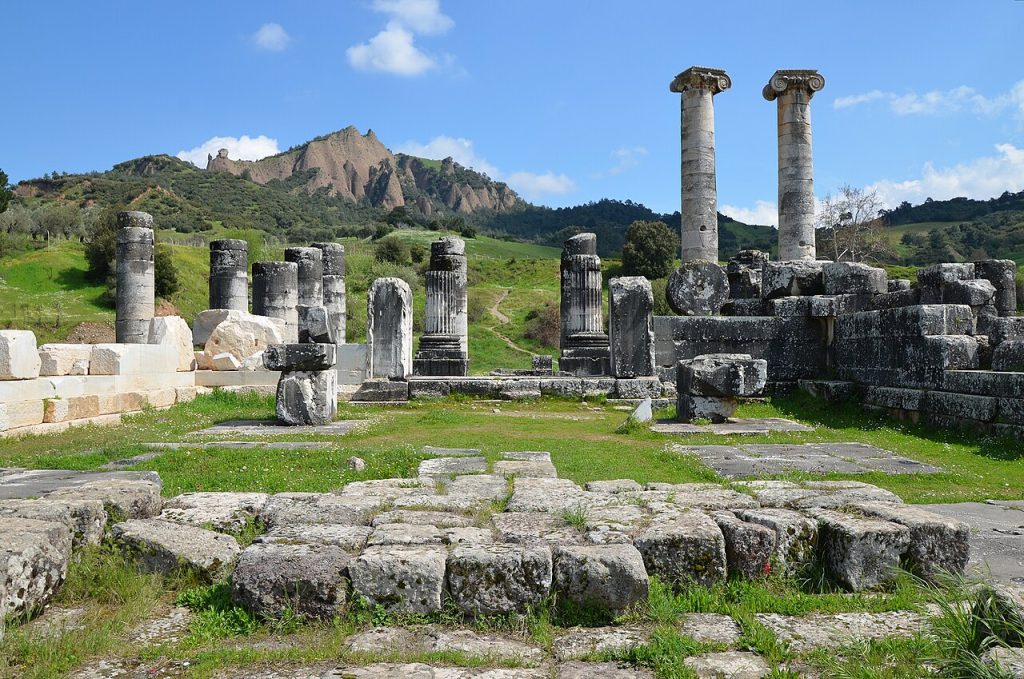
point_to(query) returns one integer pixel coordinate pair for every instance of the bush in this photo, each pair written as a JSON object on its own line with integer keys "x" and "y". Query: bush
{"x": 544, "y": 326}
{"x": 393, "y": 250}
{"x": 650, "y": 250}
{"x": 165, "y": 274}
{"x": 417, "y": 252}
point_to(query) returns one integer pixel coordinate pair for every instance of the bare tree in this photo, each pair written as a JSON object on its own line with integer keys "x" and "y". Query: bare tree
{"x": 851, "y": 227}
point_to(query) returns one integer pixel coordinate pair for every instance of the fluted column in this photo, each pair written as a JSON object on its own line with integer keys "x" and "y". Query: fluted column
{"x": 793, "y": 91}
{"x": 585, "y": 349}
{"x": 443, "y": 348}
{"x": 699, "y": 228}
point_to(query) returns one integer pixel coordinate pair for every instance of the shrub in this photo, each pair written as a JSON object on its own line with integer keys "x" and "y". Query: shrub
{"x": 544, "y": 326}
{"x": 650, "y": 250}
{"x": 165, "y": 274}
{"x": 393, "y": 250}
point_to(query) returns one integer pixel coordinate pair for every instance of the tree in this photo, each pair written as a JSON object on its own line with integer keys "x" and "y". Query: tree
{"x": 392, "y": 249}
{"x": 5, "y": 192}
{"x": 101, "y": 255}
{"x": 650, "y": 249}
{"x": 850, "y": 228}
{"x": 165, "y": 274}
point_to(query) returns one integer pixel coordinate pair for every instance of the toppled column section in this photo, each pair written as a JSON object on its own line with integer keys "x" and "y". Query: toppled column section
{"x": 699, "y": 226}
{"x": 229, "y": 274}
{"x": 443, "y": 347}
{"x": 584, "y": 344}
{"x": 310, "y": 273}
{"x": 389, "y": 329}
{"x": 275, "y": 294}
{"x": 631, "y": 326}
{"x": 136, "y": 285}
{"x": 334, "y": 297}
{"x": 707, "y": 386}
{"x": 793, "y": 90}
{"x": 1002, "y": 274}
{"x": 744, "y": 274}
{"x": 307, "y": 391}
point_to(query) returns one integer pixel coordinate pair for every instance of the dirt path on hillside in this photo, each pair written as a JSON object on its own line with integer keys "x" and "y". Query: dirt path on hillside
{"x": 504, "y": 320}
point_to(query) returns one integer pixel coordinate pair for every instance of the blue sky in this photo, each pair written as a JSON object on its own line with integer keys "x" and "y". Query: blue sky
{"x": 566, "y": 100}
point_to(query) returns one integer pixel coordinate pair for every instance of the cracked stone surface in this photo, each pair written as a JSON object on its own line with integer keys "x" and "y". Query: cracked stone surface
{"x": 805, "y": 633}
{"x": 744, "y": 460}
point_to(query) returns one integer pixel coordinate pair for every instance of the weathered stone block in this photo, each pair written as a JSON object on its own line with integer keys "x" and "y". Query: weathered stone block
{"x": 608, "y": 577}
{"x": 307, "y": 397}
{"x": 689, "y": 547}
{"x": 225, "y": 512}
{"x": 973, "y": 293}
{"x": 697, "y": 288}
{"x": 225, "y": 361}
{"x": 34, "y": 558}
{"x": 847, "y": 278}
{"x": 498, "y": 579}
{"x": 713, "y": 408}
{"x": 748, "y": 546}
{"x": 122, "y": 499}
{"x": 19, "y": 357}
{"x": 85, "y": 518}
{"x": 401, "y": 579}
{"x": 349, "y": 538}
{"x": 631, "y": 326}
{"x": 208, "y": 319}
{"x": 382, "y": 391}
{"x": 1002, "y": 274}
{"x": 242, "y": 335}
{"x": 937, "y": 544}
{"x": 132, "y": 359}
{"x": 163, "y": 547}
{"x": 793, "y": 278}
{"x": 64, "y": 359}
{"x": 74, "y": 408}
{"x": 638, "y": 388}
{"x": 1009, "y": 356}
{"x": 722, "y": 375}
{"x": 17, "y": 414}
{"x": 315, "y": 325}
{"x": 174, "y": 332}
{"x": 308, "y": 580}
{"x": 860, "y": 553}
{"x": 299, "y": 356}
{"x": 389, "y": 329}
{"x": 796, "y": 535}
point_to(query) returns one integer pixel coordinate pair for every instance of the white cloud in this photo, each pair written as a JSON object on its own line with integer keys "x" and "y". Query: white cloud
{"x": 421, "y": 16}
{"x": 271, "y": 37}
{"x": 980, "y": 178}
{"x": 531, "y": 185}
{"x": 626, "y": 158}
{"x": 390, "y": 51}
{"x": 763, "y": 212}
{"x": 239, "y": 148}
{"x": 940, "y": 102}
{"x": 535, "y": 186}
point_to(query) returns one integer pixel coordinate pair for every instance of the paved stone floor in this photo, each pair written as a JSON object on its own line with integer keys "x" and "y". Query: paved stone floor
{"x": 764, "y": 425}
{"x": 32, "y": 483}
{"x": 997, "y": 536}
{"x": 274, "y": 428}
{"x": 747, "y": 460}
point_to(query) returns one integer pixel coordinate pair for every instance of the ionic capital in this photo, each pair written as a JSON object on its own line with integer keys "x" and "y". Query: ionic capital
{"x": 806, "y": 79}
{"x": 714, "y": 80}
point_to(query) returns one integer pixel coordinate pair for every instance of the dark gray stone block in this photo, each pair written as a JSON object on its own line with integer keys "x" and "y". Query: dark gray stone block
{"x": 307, "y": 397}
{"x": 697, "y": 288}
{"x": 847, "y": 278}
{"x": 316, "y": 325}
{"x": 299, "y": 356}
{"x": 631, "y": 326}
{"x": 1009, "y": 356}
{"x": 792, "y": 278}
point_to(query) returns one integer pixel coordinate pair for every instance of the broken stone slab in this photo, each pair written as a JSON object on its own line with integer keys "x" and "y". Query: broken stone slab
{"x": 19, "y": 356}
{"x": 600, "y": 670}
{"x": 748, "y": 546}
{"x": 402, "y": 579}
{"x": 588, "y": 642}
{"x": 405, "y": 534}
{"x": 422, "y": 671}
{"x": 381, "y": 391}
{"x": 614, "y": 486}
{"x": 805, "y": 633}
{"x": 34, "y": 559}
{"x": 974, "y": 293}
{"x": 450, "y": 452}
{"x": 544, "y": 495}
{"x": 64, "y": 359}
{"x": 689, "y": 547}
{"x": 535, "y": 528}
{"x": 349, "y": 538}
{"x": 284, "y": 509}
{"x": 163, "y": 547}
{"x": 423, "y": 518}
{"x": 85, "y": 518}
{"x": 796, "y": 535}
{"x": 242, "y": 335}
{"x": 225, "y": 361}
{"x": 697, "y": 288}
{"x": 221, "y": 511}
{"x": 498, "y": 579}
{"x": 383, "y": 490}
{"x": 437, "y": 467}
{"x": 122, "y": 498}
{"x": 1006, "y": 662}
{"x": 484, "y": 487}
{"x": 378, "y": 640}
{"x": 937, "y": 544}
{"x": 469, "y": 535}
{"x": 315, "y": 325}
{"x": 860, "y": 553}
{"x": 710, "y": 628}
{"x": 169, "y": 627}
{"x": 307, "y": 397}
{"x": 792, "y": 278}
{"x": 845, "y": 278}
{"x": 717, "y": 409}
{"x": 525, "y": 469}
{"x": 731, "y": 664}
{"x": 644, "y": 412}
{"x": 306, "y": 579}
{"x": 299, "y": 356}
{"x": 488, "y": 647}
{"x": 174, "y": 331}
{"x": 606, "y": 577}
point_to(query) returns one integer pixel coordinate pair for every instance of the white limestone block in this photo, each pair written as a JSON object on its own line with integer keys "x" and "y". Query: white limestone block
{"x": 64, "y": 359}
{"x": 19, "y": 357}
{"x": 20, "y": 414}
{"x": 225, "y": 361}
{"x": 133, "y": 359}
{"x": 174, "y": 331}
{"x": 242, "y": 335}
{"x": 75, "y": 408}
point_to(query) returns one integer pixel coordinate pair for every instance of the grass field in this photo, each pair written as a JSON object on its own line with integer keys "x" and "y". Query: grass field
{"x": 583, "y": 440}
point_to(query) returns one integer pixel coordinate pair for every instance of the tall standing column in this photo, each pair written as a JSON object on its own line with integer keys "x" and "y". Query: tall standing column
{"x": 443, "y": 347}
{"x": 585, "y": 349}
{"x": 136, "y": 285}
{"x": 699, "y": 228}
{"x": 334, "y": 298}
{"x": 311, "y": 273}
{"x": 275, "y": 294}
{"x": 793, "y": 90}
{"x": 229, "y": 274}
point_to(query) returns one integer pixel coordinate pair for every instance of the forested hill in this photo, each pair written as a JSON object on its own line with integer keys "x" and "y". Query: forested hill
{"x": 610, "y": 219}
{"x": 952, "y": 210}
